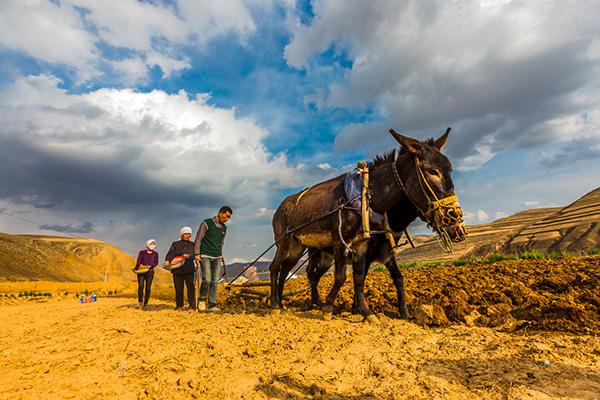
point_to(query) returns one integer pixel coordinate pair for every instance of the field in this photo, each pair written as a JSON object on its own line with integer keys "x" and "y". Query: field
{"x": 507, "y": 330}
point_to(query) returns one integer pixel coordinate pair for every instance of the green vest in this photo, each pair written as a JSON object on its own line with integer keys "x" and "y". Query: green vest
{"x": 212, "y": 243}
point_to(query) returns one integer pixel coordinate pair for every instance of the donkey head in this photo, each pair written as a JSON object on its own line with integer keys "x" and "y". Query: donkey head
{"x": 429, "y": 185}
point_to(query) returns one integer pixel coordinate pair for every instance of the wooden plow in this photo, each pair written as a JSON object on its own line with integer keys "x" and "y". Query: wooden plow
{"x": 250, "y": 291}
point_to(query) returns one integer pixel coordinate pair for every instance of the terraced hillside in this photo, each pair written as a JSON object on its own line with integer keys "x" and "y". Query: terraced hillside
{"x": 62, "y": 259}
{"x": 572, "y": 228}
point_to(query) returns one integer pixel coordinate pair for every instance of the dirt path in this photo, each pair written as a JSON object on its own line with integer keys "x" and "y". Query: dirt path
{"x": 109, "y": 349}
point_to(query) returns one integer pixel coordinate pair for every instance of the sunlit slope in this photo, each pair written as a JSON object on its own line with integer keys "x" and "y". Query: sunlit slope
{"x": 62, "y": 259}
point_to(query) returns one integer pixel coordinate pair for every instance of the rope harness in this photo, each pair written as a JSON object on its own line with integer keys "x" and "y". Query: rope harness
{"x": 443, "y": 215}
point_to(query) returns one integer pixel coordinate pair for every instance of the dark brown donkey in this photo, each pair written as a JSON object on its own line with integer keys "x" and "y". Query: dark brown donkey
{"x": 400, "y": 216}
{"x": 316, "y": 218}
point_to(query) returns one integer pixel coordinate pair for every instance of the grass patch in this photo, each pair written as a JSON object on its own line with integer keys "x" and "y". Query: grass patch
{"x": 379, "y": 267}
{"x": 408, "y": 265}
{"x": 464, "y": 261}
{"x": 495, "y": 257}
{"x": 594, "y": 252}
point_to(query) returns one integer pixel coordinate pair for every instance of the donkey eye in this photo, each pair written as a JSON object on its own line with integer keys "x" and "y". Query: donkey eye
{"x": 435, "y": 172}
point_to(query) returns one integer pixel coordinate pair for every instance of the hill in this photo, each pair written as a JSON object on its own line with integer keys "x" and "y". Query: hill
{"x": 51, "y": 258}
{"x": 572, "y": 228}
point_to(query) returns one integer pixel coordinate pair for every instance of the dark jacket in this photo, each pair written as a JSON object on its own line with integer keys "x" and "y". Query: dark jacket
{"x": 180, "y": 248}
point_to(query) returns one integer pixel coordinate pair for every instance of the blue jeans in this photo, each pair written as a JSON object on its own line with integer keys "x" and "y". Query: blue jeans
{"x": 211, "y": 273}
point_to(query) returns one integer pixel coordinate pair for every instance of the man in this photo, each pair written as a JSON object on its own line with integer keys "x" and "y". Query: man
{"x": 208, "y": 249}
{"x": 183, "y": 271}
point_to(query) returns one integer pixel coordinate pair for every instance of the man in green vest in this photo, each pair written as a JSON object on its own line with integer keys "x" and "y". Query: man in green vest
{"x": 208, "y": 249}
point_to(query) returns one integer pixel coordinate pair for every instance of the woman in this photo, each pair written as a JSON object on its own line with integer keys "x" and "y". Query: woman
{"x": 144, "y": 267}
{"x": 183, "y": 271}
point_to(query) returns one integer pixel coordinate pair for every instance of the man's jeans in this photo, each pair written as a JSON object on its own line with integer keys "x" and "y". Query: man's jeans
{"x": 211, "y": 273}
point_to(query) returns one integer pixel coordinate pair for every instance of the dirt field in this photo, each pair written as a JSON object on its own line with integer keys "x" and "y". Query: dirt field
{"x": 109, "y": 349}
{"x": 547, "y": 347}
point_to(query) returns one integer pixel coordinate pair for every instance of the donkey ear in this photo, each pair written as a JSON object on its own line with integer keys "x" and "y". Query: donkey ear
{"x": 441, "y": 142}
{"x": 413, "y": 146}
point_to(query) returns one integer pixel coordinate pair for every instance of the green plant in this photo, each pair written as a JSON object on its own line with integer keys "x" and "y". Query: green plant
{"x": 378, "y": 267}
{"x": 532, "y": 255}
{"x": 86, "y": 292}
{"x": 594, "y": 252}
{"x": 408, "y": 265}
{"x": 431, "y": 264}
{"x": 495, "y": 257}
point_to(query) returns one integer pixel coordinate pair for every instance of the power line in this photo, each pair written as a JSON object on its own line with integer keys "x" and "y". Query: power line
{"x": 47, "y": 228}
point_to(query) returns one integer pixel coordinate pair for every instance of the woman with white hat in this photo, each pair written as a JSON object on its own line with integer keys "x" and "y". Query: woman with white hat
{"x": 181, "y": 262}
{"x": 144, "y": 267}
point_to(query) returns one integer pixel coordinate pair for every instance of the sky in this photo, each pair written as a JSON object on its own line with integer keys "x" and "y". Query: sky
{"x": 124, "y": 120}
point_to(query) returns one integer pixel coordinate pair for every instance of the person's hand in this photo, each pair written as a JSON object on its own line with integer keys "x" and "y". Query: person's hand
{"x": 186, "y": 255}
{"x": 198, "y": 258}
{"x": 166, "y": 263}
{"x": 223, "y": 259}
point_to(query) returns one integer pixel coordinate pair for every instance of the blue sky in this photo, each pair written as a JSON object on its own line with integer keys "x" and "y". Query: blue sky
{"x": 124, "y": 120}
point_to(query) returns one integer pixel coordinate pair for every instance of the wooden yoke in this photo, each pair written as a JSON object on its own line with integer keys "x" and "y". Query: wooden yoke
{"x": 364, "y": 204}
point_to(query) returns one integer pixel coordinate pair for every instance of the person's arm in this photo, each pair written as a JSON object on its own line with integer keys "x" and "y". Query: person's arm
{"x": 199, "y": 236}
{"x": 139, "y": 259}
{"x": 154, "y": 259}
{"x": 171, "y": 253}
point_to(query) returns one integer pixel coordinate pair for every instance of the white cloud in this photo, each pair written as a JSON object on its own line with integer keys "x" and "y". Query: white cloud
{"x": 477, "y": 217}
{"x": 169, "y": 139}
{"x": 70, "y": 32}
{"x": 497, "y": 71}
{"x": 49, "y": 32}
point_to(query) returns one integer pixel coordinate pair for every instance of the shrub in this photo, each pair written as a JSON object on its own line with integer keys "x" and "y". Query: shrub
{"x": 86, "y": 292}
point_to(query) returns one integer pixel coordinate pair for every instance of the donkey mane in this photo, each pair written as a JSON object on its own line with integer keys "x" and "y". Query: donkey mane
{"x": 390, "y": 156}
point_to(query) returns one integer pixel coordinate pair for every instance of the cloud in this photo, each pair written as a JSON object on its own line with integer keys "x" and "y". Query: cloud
{"x": 86, "y": 227}
{"x": 50, "y": 32}
{"x": 121, "y": 148}
{"x": 91, "y": 37}
{"x": 497, "y": 72}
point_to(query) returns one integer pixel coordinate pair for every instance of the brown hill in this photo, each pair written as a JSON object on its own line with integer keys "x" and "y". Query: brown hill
{"x": 50, "y": 258}
{"x": 573, "y": 228}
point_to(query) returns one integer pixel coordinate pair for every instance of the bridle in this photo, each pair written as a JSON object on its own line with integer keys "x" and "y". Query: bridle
{"x": 442, "y": 214}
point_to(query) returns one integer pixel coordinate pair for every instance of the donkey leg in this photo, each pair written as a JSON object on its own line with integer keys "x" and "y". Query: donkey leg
{"x": 359, "y": 274}
{"x": 274, "y": 270}
{"x": 318, "y": 265}
{"x": 340, "y": 277}
{"x": 398, "y": 278}
{"x": 294, "y": 254}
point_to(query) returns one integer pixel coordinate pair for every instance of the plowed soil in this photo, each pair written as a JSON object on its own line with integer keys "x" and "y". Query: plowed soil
{"x": 546, "y": 348}
{"x": 550, "y": 295}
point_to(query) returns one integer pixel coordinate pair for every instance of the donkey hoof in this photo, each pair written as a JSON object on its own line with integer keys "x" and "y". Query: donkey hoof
{"x": 327, "y": 315}
{"x": 372, "y": 319}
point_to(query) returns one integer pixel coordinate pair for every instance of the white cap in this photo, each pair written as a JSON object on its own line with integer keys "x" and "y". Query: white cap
{"x": 150, "y": 241}
{"x": 185, "y": 229}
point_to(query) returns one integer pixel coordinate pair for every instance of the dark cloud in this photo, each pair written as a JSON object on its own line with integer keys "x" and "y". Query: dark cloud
{"x": 86, "y": 227}
{"x": 574, "y": 151}
{"x": 31, "y": 175}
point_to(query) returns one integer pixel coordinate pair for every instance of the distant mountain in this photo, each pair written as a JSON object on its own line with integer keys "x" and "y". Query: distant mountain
{"x": 235, "y": 268}
{"x": 51, "y": 258}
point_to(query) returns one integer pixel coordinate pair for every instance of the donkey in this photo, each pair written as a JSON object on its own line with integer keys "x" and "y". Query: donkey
{"x": 308, "y": 218}
{"x": 400, "y": 216}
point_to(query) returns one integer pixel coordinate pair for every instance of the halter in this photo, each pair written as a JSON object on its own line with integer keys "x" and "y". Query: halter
{"x": 442, "y": 214}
